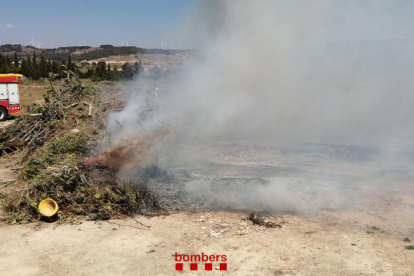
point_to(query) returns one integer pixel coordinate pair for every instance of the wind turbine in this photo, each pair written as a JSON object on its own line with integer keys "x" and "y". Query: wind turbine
{"x": 39, "y": 43}
{"x": 32, "y": 42}
{"x": 80, "y": 44}
{"x": 162, "y": 44}
{"x": 127, "y": 43}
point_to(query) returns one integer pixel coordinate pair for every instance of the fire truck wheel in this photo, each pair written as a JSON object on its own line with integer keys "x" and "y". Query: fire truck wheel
{"x": 3, "y": 114}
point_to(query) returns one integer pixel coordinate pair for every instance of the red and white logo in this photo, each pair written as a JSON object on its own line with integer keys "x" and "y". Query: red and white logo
{"x": 194, "y": 261}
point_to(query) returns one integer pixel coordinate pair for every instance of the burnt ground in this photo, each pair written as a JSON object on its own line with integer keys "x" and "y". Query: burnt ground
{"x": 311, "y": 180}
{"x": 337, "y": 213}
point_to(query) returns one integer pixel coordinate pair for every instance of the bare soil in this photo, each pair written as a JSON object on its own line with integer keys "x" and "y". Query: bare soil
{"x": 363, "y": 235}
{"x": 303, "y": 246}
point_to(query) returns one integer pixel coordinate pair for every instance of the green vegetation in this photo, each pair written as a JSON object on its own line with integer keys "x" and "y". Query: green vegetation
{"x": 11, "y": 48}
{"x": 407, "y": 240}
{"x": 36, "y": 68}
{"x": 37, "y": 63}
{"x": 31, "y": 67}
{"x": 110, "y": 50}
{"x": 54, "y": 171}
{"x": 52, "y": 166}
{"x": 59, "y": 152}
{"x": 410, "y": 247}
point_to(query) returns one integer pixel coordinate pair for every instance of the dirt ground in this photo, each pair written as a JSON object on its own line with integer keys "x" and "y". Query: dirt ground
{"x": 303, "y": 246}
{"x": 349, "y": 216}
{"x": 364, "y": 237}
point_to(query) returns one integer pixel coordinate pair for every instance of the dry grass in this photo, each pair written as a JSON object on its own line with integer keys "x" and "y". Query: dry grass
{"x": 32, "y": 92}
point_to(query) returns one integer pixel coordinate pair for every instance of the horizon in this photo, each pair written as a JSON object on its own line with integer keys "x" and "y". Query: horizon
{"x": 98, "y": 46}
{"x": 143, "y": 24}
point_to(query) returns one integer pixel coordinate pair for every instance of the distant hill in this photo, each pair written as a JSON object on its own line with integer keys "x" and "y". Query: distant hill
{"x": 79, "y": 53}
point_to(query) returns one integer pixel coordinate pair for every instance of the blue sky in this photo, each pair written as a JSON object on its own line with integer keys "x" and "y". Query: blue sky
{"x": 143, "y": 23}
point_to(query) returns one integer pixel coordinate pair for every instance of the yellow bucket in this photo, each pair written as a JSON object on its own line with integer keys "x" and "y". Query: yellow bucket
{"x": 48, "y": 207}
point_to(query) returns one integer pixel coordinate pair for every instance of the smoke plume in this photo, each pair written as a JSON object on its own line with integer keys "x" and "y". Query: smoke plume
{"x": 287, "y": 72}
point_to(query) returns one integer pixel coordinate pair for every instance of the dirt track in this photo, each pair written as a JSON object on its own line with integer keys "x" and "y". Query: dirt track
{"x": 300, "y": 247}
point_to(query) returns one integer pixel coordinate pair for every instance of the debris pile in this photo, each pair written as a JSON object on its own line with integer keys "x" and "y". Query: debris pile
{"x": 52, "y": 156}
{"x": 70, "y": 105}
{"x": 262, "y": 221}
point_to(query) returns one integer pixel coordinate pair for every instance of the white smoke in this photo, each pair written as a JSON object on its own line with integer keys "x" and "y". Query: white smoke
{"x": 337, "y": 72}
{"x": 294, "y": 70}
{"x": 329, "y": 71}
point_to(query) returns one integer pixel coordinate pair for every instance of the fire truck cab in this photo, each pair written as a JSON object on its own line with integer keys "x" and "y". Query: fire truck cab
{"x": 9, "y": 95}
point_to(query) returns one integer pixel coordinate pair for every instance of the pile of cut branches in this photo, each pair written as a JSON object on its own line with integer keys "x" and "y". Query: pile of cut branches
{"x": 53, "y": 167}
{"x": 55, "y": 171}
{"x": 71, "y": 104}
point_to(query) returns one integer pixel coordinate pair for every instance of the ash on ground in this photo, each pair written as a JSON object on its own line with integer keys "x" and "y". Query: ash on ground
{"x": 307, "y": 179}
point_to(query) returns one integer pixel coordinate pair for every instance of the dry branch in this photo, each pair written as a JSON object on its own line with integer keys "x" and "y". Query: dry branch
{"x": 90, "y": 108}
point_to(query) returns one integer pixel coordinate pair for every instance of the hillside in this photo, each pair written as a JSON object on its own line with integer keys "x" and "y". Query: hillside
{"x": 81, "y": 53}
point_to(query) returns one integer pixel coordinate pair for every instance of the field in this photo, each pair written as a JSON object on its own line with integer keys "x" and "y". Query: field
{"x": 208, "y": 138}
{"x": 334, "y": 211}
{"x": 148, "y": 60}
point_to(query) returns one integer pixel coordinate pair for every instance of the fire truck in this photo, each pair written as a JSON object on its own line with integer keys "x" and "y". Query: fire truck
{"x": 9, "y": 95}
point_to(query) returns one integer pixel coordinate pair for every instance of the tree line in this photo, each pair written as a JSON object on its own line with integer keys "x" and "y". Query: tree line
{"x": 31, "y": 67}
{"x": 103, "y": 71}
{"x": 34, "y": 67}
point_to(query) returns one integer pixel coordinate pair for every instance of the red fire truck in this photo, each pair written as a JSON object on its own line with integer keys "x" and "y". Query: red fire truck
{"x": 9, "y": 95}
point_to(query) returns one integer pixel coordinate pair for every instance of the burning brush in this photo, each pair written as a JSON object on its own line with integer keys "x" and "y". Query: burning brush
{"x": 129, "y": 151}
